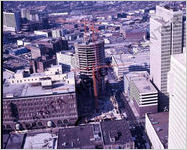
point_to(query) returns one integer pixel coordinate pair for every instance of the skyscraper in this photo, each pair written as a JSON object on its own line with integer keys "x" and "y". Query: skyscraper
{"x": 24, "y": 13}
{"x": 177, "y": 91}
{"x": 90, "y": 58}
{"x": 165, "y": 39}
{"x": 184, "y": 34}
{"x": 11, "y": 21}
{"x": 89, "y": 55}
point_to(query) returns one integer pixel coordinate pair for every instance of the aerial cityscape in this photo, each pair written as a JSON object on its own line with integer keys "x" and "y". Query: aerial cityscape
{"x": 93, "y": 75}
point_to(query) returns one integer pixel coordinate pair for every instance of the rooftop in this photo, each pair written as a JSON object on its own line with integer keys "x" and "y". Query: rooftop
{"x": 171, "y": 7}
{"x": 15, "y": 141}
{"x": 40, "y": 141}
{"x": 159, "y": 122}
{"x": 159, "y": 20}
{"x": 116, "y": 132}
{"x": 129, "y": 59}
{"x": 133, "y": 74}
{"x": 88, "y": 42}
{"x": 181, "y": 58}
{"x": 66, "y": 52}
{"x": 5, "y": 140}
{"x": 144, "y": 85}
{"x": 84, "y": 136}
{"x": 27, "y": 89}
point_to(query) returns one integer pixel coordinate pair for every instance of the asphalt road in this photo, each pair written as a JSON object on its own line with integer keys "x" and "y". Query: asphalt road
{"x": 137, "y": 128}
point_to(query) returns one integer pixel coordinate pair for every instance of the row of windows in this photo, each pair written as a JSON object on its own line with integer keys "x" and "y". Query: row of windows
{"x": 20, "y": 81}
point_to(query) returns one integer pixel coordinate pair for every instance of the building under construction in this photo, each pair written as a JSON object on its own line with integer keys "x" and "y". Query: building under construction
{"x": 90, "y": 60}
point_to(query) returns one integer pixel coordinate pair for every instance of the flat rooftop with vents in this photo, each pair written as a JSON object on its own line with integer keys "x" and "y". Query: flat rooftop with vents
{"x": 84, "y": 136}
{"x": 157, "y": 129}
{"x": 116, "y": 134}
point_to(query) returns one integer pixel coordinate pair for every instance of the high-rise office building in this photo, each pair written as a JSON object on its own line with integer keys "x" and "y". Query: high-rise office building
{"x": 90, "y": 58}
{"x": 177, "y": 106}
{"x": 11, "y": 21}
{"x": 89, "y": 55}
{"x": 24, "y": 13}
{"x": 184, "y": 34}
{"x": 165, "y": 39}
{"x": 31, "y": 15}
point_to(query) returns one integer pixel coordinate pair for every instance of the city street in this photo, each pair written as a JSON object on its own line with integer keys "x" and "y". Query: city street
{"x": 137, "y": 126}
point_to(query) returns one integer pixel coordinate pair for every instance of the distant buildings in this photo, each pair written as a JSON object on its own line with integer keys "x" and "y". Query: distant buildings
{"x": 66, "y": 59}
{"x": 156, "y": 126}
{"x": 134, "y": 35}
{"x": 124, "y": 63}
{"x": 46, "y": 33}
{"x": 43, "y": 52}
{"x": 166, "y": 39}
{"x": 35, "y": 101}
{"x": 11, "y": 21}
{"x": 142, "y": 93}
{"x": 177, "y": 105}
{"x": 30, "y": 15}
{"x": 40, "y": 64}
{"x": 19, "y": 51}
{"x": 56, "y": 33}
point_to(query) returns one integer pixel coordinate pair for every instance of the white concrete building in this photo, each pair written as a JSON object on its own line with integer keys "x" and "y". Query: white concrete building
{"x": 56, "y": 33}
{"x": 51, "y": 75}
{"x": 156, "y": 126}
{"x": 177, "y": 92}
{"x": 127, "y": 78}
{"x": 142, "y": 93}
{"x": 11, "y": 21}
{"x": 165, "y": 39}
{"x": 124, "y": 63}
{"x": 44, "y": 33}
{"x": 120, "y": 67}
{"x": 66, "y": 59}
{"x": 184, "y": 34}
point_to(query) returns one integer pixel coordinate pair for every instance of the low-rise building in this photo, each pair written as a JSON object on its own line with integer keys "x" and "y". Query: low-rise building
{"x": 116, "y": 135}
{"x": 124, "y": 63}
{"x": 80, "y": 137}
{"x": 128, "y": 76}
{"x": 32, "y": 101}
{"x": 156, "y": 126}
{"x": 46, "y": 33}
{"x": 106, "y": 134}
{"x": 19, "y": 51}
{"x": 66, "y": 59}
{"x": 40, "y": 140}
{"x": 13, "y": 141}
{"x": 141, "y": 91}
{"x": 56, "y": 33}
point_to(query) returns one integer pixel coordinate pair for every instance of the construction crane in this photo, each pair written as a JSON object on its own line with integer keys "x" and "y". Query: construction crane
{"x": 95, "y": 67}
